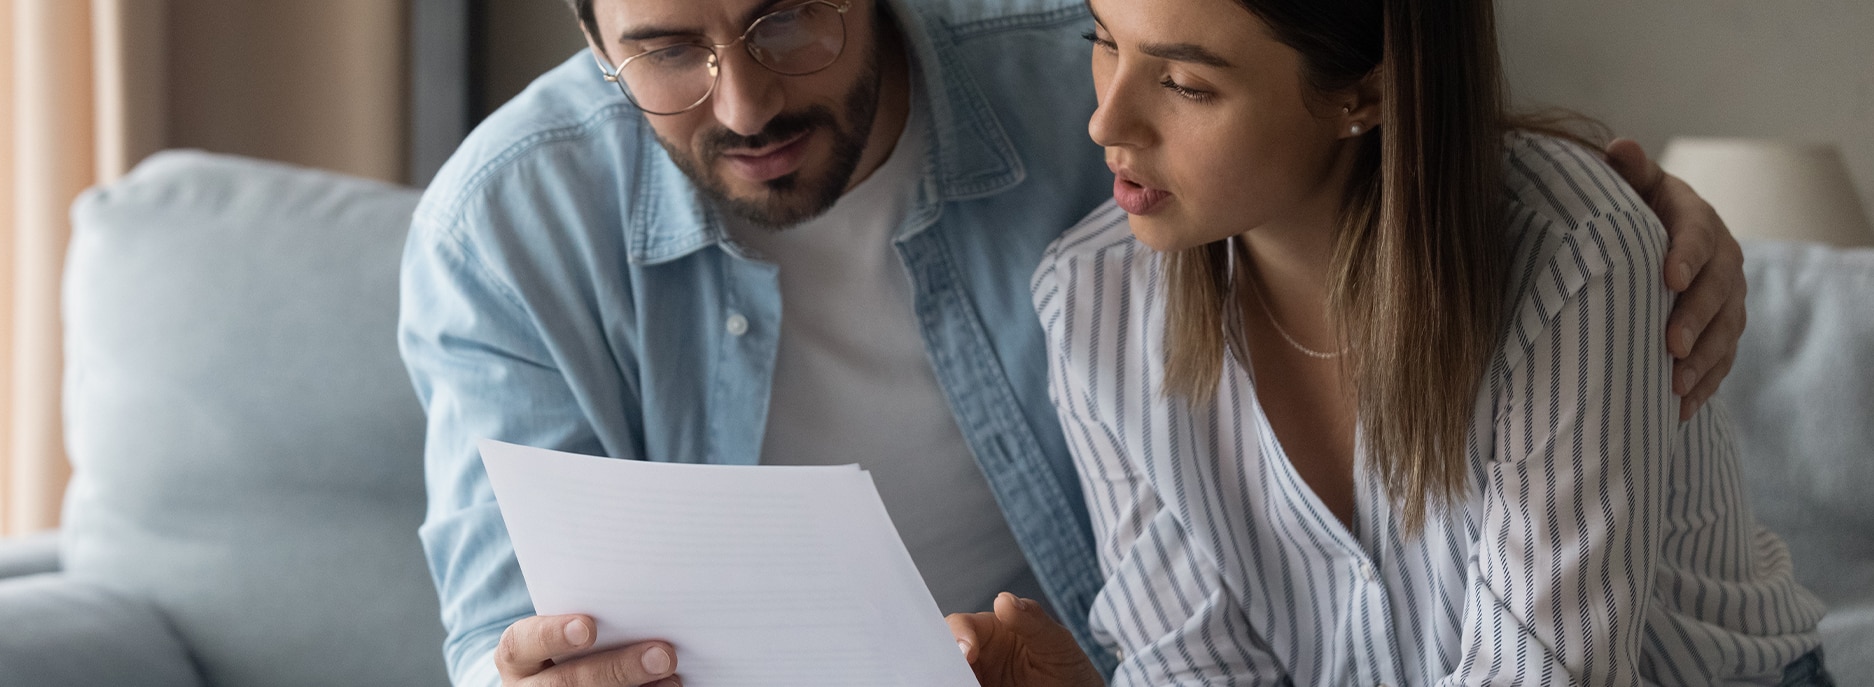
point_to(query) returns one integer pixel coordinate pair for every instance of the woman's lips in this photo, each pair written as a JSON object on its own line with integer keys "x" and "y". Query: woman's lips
{"x": 772, "y": 162}
{"x": 1136, "y": 198}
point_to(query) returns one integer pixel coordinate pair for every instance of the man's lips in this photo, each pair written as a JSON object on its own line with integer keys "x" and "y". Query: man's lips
{"x": 770, "y": 162}
{"x": 1134, "y": 197}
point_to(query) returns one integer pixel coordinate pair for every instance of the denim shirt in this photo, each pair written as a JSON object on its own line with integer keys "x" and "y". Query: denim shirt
{"x": 564, "y": 287}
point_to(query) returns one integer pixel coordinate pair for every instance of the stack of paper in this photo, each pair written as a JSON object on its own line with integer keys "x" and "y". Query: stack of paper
{"x": 760, "y": 576}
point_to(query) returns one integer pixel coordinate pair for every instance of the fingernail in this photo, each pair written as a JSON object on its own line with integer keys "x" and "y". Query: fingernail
{"x": 577, "y": 634}
{"x": 963, "y": 647}
{"x": 1686, "y": 340}
{"x": 656, "y": 661}
{"x": 1686, "y": 379}
{"x": 1026, "y": 604}
{"x": 1682, "y": 273}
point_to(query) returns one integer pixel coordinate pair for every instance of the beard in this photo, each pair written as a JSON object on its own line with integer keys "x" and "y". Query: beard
{"x": 789, "y": 200}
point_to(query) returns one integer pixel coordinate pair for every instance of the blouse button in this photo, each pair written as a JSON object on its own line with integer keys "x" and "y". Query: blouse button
{"x": 1366, "y": 571}
{"x": 737, "y": 324}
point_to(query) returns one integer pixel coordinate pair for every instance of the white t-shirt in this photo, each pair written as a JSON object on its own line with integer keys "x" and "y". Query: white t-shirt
{"x": 852, "y": 384}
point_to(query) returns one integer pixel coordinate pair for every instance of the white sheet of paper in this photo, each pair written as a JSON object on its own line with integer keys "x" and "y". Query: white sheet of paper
{"x": 759, "y": 575}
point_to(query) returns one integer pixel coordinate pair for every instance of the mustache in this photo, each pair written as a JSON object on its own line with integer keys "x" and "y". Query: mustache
{"x": 784, "y": 126}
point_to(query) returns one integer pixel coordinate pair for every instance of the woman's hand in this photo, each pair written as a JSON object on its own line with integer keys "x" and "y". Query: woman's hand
{"x": 1018, "y": 645}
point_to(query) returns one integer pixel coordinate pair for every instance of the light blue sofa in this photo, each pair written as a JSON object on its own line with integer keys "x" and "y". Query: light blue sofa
{"x": 247, "y": 448}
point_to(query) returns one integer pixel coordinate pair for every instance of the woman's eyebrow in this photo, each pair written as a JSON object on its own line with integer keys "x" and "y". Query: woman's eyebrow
{"x": 1176, "y": 52}
{"x": 1185, "y": 52}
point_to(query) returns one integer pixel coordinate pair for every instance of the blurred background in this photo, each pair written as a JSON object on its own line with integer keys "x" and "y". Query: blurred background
{"x": 385, "y": 89}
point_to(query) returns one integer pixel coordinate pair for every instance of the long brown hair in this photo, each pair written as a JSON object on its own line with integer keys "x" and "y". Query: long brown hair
{"x": 1419, "y": 262}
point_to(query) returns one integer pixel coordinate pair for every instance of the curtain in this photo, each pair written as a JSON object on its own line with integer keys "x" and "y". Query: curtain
{"x": 52, "y": 159}
{"x": 90, "y": 87}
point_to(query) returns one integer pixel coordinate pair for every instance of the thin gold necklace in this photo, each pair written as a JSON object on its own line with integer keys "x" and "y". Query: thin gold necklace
{"x": 1270, "y": 315}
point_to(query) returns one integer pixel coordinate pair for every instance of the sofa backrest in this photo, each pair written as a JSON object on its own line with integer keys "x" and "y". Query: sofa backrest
{"x": 1801, "y": 398}
{"x": 245, "y": 442}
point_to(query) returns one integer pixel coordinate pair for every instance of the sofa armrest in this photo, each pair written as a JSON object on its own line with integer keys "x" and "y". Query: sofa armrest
{"x": 61, "y": 632}
{"x": 32, "y": 554}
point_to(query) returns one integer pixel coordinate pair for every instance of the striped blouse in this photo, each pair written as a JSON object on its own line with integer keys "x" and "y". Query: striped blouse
{"x": 1601, "y": 542}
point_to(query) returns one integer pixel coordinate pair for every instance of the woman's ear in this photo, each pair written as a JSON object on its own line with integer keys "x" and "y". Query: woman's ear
{"x": 1361, "y": 107}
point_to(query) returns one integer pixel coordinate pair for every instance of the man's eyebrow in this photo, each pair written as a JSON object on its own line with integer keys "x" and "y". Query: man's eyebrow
{"x": 645, "y": 33}
{"x": 1185, "y": 52}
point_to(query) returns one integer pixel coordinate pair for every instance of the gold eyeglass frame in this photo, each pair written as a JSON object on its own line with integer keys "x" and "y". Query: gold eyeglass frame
{"x": 615, "y": 76}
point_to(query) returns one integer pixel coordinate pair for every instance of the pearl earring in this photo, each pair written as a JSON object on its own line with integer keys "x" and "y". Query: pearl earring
{"x": 1347, "y": 111}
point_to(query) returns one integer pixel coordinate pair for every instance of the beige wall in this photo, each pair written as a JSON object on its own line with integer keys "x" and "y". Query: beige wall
{"x": 1654, "y": 69}
{"x": 312, "y": 82}
{"x": 523, "y": 39}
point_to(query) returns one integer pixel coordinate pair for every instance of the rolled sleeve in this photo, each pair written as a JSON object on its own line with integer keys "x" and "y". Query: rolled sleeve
{"x": 482, "y": 370}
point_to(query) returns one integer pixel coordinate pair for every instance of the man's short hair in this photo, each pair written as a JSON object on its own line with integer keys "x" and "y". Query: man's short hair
{"x": 583, "y": 10}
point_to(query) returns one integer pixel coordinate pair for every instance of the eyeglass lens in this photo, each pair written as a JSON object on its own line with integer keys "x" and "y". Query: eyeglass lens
{"x": 795, "y": 41}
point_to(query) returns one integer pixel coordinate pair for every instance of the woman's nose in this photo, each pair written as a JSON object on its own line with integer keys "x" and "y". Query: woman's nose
{"x": 1118, "y": 122}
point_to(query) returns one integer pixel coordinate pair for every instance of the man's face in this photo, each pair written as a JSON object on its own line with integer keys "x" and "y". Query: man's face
{"x": 772, "y": 149}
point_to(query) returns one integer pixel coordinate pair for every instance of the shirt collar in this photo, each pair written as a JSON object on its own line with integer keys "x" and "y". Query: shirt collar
{"x": 970, "y": 154}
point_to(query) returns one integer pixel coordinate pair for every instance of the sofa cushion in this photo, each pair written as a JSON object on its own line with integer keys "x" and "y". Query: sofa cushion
{"x": 1801, "y": 397}
{"x": 245, "y": 443}
{"x": 66, "y": 633}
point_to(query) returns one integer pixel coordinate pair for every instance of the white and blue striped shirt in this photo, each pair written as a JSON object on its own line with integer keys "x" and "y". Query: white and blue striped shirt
{"x": 1601, "y": 542}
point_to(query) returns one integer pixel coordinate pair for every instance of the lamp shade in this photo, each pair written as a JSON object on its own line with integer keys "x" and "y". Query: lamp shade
{"x": 1773, "y": 189}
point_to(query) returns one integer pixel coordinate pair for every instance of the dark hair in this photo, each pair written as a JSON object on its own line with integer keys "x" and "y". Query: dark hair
{"x": 1419, "y": 262}
{"x": 583, "y": 10}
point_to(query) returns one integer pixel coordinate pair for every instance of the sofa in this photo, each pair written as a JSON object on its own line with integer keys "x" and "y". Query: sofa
{"x": 248, "y": 474}
{"x": 246, "y": 446}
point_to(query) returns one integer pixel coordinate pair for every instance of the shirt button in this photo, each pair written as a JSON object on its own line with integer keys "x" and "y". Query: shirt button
{"x": 737, "y": 324}
{"x": 1366, "y": 571}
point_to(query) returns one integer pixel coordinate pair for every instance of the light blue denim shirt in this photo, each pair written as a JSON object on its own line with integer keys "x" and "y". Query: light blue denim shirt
{"x": 564, "y": 287}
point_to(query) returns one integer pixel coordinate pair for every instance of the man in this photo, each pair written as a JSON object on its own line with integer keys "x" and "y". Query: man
{"x": 604, "y": 268}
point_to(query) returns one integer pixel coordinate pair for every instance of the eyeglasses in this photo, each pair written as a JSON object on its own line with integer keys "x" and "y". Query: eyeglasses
{"x": 796, "y": 41}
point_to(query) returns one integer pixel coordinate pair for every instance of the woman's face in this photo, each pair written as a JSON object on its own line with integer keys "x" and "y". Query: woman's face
{"x": 1209, "y": 125}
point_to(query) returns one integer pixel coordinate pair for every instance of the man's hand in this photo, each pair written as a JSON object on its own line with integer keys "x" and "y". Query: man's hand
{"x": 1018, "y": 645}
{"x": 1704, "y": 265}
{"x": 525, "y": 657}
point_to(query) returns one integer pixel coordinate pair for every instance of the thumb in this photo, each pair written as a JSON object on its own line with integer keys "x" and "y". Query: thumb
{"x": 1629, "y": 159}
{"x": 1026, "y": 618}
{"x": 969, "y": 630}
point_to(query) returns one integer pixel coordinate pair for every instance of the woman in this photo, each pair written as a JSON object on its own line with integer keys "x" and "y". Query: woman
{"x": 1365, "y": 382}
